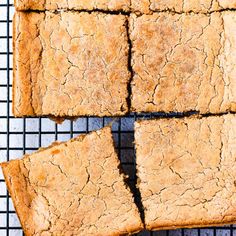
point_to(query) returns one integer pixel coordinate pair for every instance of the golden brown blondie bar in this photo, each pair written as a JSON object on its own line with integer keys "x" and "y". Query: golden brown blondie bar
{"x": 187, "y": 172}
{"x": 184, "y": 62}
{"x": 70, "y": 64}
{"x": 73, "y": 188}
{"x": 112, "y": 5}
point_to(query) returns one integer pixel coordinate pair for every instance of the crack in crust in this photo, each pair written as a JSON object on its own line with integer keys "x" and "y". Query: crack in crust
{"x": 70, "y": 64}
{"x": 139, "y": 6}
{"x": 183, "y": 62}
{"x": 73, "y": 188}
{"x": 186, "y": 170}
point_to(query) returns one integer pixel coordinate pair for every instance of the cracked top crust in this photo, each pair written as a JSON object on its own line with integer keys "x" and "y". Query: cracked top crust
{"x": 112, "y": 5}
{"x": 197, "y": 6}
{"x": 73, "y": 188}
{"x": 187, "y": 173}
{"x": 184, "y": 62}
{"x": 143, "y": 6}
{"x": 70, "y": 64}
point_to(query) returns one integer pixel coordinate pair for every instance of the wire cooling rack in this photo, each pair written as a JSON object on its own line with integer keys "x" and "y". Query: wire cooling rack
{"x": 20, "y": 136}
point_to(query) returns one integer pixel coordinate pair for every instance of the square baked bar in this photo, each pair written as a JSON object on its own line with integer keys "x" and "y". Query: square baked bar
{"x": 187, "y": 172}
{"x": 112, "y": 5}
{"x": 70, "y": 64}
{"x": 184, "y": 62}
{"x": 73, "y": 188}
{"x": 180, "y": 6}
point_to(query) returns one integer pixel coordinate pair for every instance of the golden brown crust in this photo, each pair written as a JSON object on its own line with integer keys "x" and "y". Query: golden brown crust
{"x": 183, "y": 62}
{"x": 186, "y": 171}
{"x": 111, "y": 5}
{"x": 27, "y": 50}
{"x": 74, "y": 188}
{"x": 191, "y": 226}
{"x": 14, "y": 62}
{"x": 10, "y": 190}
{"x": 196, "y": 6}
{"x": 73, "y": 64}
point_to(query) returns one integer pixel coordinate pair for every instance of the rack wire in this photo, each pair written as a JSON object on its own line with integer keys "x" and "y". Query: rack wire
{"x": 20, "y": 136}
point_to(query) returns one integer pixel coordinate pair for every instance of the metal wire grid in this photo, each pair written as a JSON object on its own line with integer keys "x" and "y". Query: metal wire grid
{"x": 20, "y": 136}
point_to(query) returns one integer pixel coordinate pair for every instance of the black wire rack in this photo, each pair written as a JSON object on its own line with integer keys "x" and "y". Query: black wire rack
{"x": 20, "y": 136}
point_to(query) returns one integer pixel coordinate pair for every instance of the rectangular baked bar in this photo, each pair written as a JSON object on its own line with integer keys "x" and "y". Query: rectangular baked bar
{"x": 184, "y": 62}
{"x": 112, "y": 5}
{"x": 187, "y": 172}
{"x": 70, "y": 64}
{"x": 196, "y": 6}
{"x": 143, "y": 6}
{"x": 73, "y": 188}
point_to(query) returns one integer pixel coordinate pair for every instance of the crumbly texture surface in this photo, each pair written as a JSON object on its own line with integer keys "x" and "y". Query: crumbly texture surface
{"x": 184, "y": 62}
{"x": 112, "y": 5}
{"x": 70, "y": 64}
{"x": 202, "y": 6}
{"x": 187, "y": 173}
{"x": 73, "y": 188}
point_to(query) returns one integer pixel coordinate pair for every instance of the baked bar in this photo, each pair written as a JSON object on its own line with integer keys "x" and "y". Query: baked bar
{"x": 187, "y": 172}
{"x": 196, "y": 6}
{"x": 143, "y": 6}
{"x": 113, "y": 5}
{"x": 73, "y": 188}
{"x": 184, "y": 62}
{"x": 70, "y": 64}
